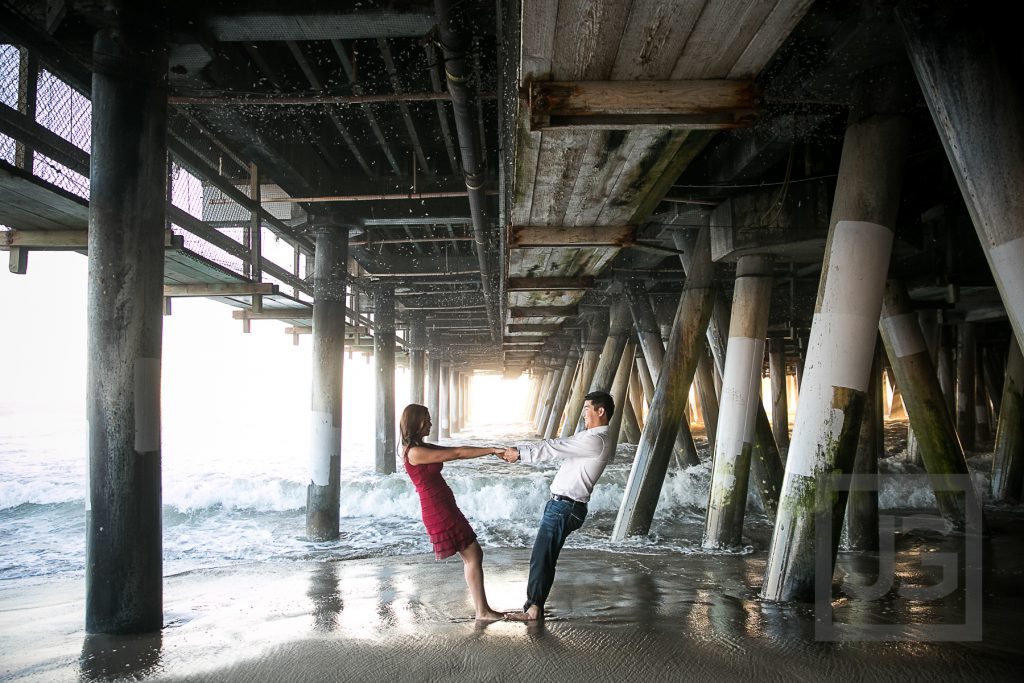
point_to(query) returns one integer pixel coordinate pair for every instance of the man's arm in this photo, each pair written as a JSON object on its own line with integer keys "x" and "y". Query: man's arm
{"x": 578, "y": 446}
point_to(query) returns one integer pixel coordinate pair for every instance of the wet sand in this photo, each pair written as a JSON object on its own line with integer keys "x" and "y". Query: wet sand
{"x": 612, "y": 617}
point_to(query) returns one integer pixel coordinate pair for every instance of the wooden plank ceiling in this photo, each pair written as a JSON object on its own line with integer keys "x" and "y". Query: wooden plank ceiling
{"x": 583, "y": 177}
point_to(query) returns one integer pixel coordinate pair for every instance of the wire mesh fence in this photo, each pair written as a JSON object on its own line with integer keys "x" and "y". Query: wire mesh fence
{"x": 67, "y": 113}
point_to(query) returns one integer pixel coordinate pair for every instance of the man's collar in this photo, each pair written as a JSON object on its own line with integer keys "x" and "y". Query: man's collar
{"x": 594, "y": 429}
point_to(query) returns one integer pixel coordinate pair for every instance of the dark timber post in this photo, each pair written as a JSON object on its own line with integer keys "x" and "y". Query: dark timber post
{"x": 912, "y": 364}
{"x": 976, "y": 99}
{"x": 444, "y": 403}
{"x": 531, "y": 404}
{"x": 673, "y": 386}
{"x": 123, "y": 575}
{"x": 384, "y": 364}
{"x": 323, "y": 495}
{"x": 842, "y": 342}
{"x": 1008, "y": 458}
{"x": 417, "y": 358}
{"x": 780, "y": 407}
{"x": 741, "y": 382}
{"x": 965, "y": 353}
{"x": 862, "y": 503}
{"x": 596, "y": 332}
{"x": 434, "y": 392}
{"x": 619, "y": 329}
{"x": 653, "y": 352}
{"x": 562, "y": 393}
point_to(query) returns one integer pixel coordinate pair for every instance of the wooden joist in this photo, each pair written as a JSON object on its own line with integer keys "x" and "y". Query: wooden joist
{"x": 534, "y": 327}
{"x": 709, "y": 104}
{"x": 526, "y": 339}
{"x": 274, "y": 314}
{"x": 576, "y": 236}
{"x": 221, "y": 289}
{"x": 62, "y": 240}
{"x": 542, "y": 284}
{"x": 542, "y": 311}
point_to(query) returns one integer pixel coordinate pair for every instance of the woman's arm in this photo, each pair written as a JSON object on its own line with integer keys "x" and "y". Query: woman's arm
{"x": 428, "y": 453}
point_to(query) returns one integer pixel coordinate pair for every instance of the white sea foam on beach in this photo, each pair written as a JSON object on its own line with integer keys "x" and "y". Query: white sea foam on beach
{"x": 220, "y": 507}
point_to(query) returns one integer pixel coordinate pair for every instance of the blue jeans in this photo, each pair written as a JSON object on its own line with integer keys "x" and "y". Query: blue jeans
{"x": 560, "y": 519}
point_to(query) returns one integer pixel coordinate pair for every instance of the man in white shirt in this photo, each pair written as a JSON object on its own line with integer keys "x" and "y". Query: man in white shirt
{"x": 584, "y": 457}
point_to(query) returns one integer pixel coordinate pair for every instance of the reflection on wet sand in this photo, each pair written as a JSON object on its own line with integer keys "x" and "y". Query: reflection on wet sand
{"x": 107, "y": 657}
{"x": 612, "y": 616}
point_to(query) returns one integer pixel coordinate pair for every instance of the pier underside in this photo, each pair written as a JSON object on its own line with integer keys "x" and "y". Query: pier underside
{"x": 665, "y": 200}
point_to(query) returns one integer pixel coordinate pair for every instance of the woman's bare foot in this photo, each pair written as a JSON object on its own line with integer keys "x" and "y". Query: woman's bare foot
{"x": 489, "y": 615}
{"x": 535, "y": 613}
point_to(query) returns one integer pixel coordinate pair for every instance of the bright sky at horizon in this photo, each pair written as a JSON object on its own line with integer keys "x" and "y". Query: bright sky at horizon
{"x": 212, "y": 393}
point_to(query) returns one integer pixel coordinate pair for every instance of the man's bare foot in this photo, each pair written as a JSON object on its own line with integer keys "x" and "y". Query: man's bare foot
{"x": 533, "y": 614}
{"x": 490, "y": 615}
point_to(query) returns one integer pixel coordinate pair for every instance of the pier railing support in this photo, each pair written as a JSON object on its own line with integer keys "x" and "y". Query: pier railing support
{"x": 597, "y": 330}
{"x": 965, "y": 371}
{"x": 842, "y": 341}
{"x": 124, "y": 576}
{"x": 384, "y": 364}
{"x": 976, "y": 100}
{"x": 1008, "y": 458}
{"x": 647, "y": 475}
{"x": 912, "y": 364}
{"x": 323, "y": 496}
{"x": 741, "y": 383}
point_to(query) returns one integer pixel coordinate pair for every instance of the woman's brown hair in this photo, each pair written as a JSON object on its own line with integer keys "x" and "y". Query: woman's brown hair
{"x": 412, "y": 426}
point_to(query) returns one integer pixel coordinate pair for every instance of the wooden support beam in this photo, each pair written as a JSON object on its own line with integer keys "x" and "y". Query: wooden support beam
{"x": 526, "y": 339}
{"x": 712, "y": 104}
{"x": 62, "y": 240}
{"x": 535, "y": 284}
{"x": 525, "y": 236}
{"x": 528, "y": 327}
{"x": 298, "y": 330}
{"x": 221, "y": 289}
{"x": 274, "y": 314}
{"x": 542, "y": 311}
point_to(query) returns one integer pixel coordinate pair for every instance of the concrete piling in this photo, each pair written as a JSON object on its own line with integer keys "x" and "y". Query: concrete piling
{"x": 444, "y": 401}
{"x": 124, "y": 571}
{"x": 965, "y": 376}
{"x": 911, "y": 362}
{"x": 862, "y": 501}
{"x": 976, "y": 99}
{"x": 741, "y": 392}
{"x": 323, "y": 496}
{"x": 843, "y": 333}
{"x": 434, "y": 393}
{"x": 561, "y": 394}
{"x": 653, "y": 353}
{"x": 780, "y": 407}
{"x": 597, "y": 330}
{"x": 1008, "y": 457}
{"x": 673, "y": 386}
{"x": 384, "y": 367}
{"x": 417, "y": 359}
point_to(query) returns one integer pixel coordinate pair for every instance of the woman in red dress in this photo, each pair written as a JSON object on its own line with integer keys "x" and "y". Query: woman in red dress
{"x": 447, "y": 526}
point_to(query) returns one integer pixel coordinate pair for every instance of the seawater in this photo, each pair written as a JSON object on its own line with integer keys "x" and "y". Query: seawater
{"x": 221, "y": 506}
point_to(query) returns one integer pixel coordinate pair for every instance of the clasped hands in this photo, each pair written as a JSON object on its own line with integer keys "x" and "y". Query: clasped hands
{"x": 509, "y": 454}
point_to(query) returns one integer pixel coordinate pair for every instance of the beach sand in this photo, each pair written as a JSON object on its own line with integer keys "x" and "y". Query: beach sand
{"x": 612, "y": 617}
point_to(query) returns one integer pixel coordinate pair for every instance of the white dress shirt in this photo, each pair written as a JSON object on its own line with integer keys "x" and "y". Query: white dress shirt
{"x": 583, "y": 456}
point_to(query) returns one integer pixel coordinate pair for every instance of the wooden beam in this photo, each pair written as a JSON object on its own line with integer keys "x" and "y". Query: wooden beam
{"x": 531, "y": 327}
{"x": 298, "y": 330}
{"x": 63, "y": 240}
{"x": 526, "y": 339}
{"x": 594, "y": 236}
{"x": 221, "y": 289}
{"x": 542, "y": 311}
{"x": 535, "y": 284}
{"x": 274, "y": 314}
{"x": 713, "y": 104}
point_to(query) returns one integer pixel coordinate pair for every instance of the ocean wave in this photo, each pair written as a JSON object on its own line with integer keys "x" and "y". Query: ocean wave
{"x": 15, "y": 493}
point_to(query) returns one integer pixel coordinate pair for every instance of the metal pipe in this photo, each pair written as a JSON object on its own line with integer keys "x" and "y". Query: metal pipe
{"x": 469, "y": 145}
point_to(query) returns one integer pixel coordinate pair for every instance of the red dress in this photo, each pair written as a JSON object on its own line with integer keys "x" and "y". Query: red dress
{"x": 446, "y": 525}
